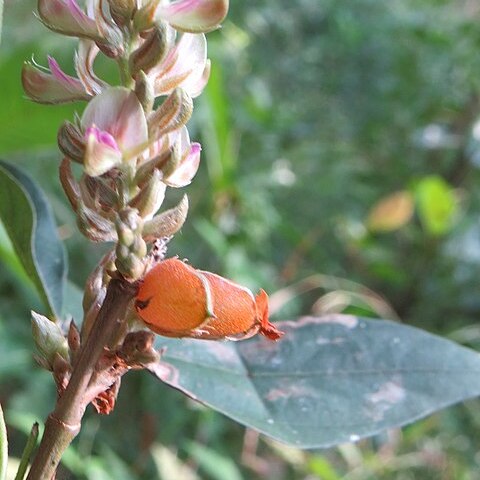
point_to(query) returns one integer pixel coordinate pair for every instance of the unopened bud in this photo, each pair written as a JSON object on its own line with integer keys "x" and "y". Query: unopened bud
{"x": 94, "y": 226}
{"x": 129, "y": 218}
{"x": 130, "y": 266}
{"x": 174, "y": 113}
{"x": 144, "y": 19}
{"x": 71, "y": 141}
{"x": 112, "y": 44}
{"x": 146, "y": 170}
{"x": 150, "y": 197}
{"x": 69, "y": 184}
{"x": 167, "y": 223}
{"x": 130, "y": 255}
{"x": 67, "y": 18}
{"x": 139, "y": 247}
{"x": 173, "y": 160}
{"x": 49, "y": 339}
{"x": 122, "y": 10}
{"x": 144, "y": 91}
{"x": 151, "y": 51}
{"x": 125, "y": 235}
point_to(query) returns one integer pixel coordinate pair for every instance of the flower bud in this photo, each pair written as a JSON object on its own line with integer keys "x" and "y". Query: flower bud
{"x": 129, "y": 218}
{"x": 144, "y": 18}
{"x": 175, "y": 300}
{"x": 122, "y": 10}
{"x": 131, "y": 249}
{"x": 130, "y": 266}
{"x": 98, "y": 195}
{"x": 150, "y": 197}
{"x": 49, "y": 339}
{"x": 167, "y": 223}
{"x": 151, "y": 51}
{"x": 144, "y": 91}
{"x": 173, "y": 114}
{"x": 94, "y": 226}
{"x": 66, "y": 17}
{"x": 69, "y": 184}
{"x": 71, "y": 142}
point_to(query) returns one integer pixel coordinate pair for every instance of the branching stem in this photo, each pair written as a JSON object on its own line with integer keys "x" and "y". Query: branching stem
{"x": 63, "y": 424}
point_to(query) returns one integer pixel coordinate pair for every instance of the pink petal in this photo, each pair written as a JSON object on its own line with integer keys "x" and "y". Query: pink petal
{"x": 61, "y": 76}
{"x": 56, "y": 87}
{"x": 189, "y": 164}
{"x": 102, "y": 153}
{"x": 183, "y": 66}
{"x": 84, "y": 58}
{"x": 195, "y": 84}
{"x": 117, "y": 111}
{"x": 194, "y": 15}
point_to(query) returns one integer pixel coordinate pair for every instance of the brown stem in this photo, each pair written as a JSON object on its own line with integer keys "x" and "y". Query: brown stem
{"x": 63, "y": 424}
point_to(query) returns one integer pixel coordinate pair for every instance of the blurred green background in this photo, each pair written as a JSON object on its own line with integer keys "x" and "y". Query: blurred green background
{"x": 341, "y": 141}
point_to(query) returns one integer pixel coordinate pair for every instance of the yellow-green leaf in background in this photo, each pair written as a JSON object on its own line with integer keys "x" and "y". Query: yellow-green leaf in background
{"x": 436, "y": 203}
{"x": 391, "y": 212}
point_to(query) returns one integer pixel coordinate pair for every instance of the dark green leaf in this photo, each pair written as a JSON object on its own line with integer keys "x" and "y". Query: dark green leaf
{"x": 329, "y": 380}
{"x": 3, "y": 447}
{"x": 29, "y": 222}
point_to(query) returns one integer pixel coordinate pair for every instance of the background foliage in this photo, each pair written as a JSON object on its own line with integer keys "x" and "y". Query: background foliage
{"x": 315, "y": 112}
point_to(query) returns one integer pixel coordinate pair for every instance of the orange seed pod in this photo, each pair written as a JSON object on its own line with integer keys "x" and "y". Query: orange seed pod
{"x": 176, "y": 300}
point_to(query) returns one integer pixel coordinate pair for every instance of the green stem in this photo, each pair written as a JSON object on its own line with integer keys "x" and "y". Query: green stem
{"x": 64, "y": 423}
{"x": 27, "y": 452}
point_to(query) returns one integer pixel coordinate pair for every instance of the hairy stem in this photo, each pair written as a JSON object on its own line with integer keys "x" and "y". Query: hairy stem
{"x": 63, "y": 424}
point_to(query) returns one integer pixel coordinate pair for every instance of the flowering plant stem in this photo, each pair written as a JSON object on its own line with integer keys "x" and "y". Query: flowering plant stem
{"x": 64, "y": 423}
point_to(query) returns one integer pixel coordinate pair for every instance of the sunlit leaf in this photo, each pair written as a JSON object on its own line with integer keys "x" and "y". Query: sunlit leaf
{"x": 329, "y": 380}
{"x": 391, "y": 212}
{"x": 28, "y": 220}
{"x": 437, "y": 204}
{"x": 3, "y": 447}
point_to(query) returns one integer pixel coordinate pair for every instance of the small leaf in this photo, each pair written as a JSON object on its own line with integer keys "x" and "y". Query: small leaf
{"x": 28, "y": 220}
{"x": 437, "y": 204}
{"x": 170, "y": 466}
{"x": 329, "y": 380}
{"x": 3, "y": 447}
{"x": 391, "y": 212}
{"x": 215, "y": 465}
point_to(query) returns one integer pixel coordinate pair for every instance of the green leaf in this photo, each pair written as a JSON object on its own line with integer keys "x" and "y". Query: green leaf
{"x": 3, "y": 447}
{"x": 327, "y": 381}
{"x": 215, "y": 465}
{"x": 437, "y": 204}
{"x": 28, "y": 220}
